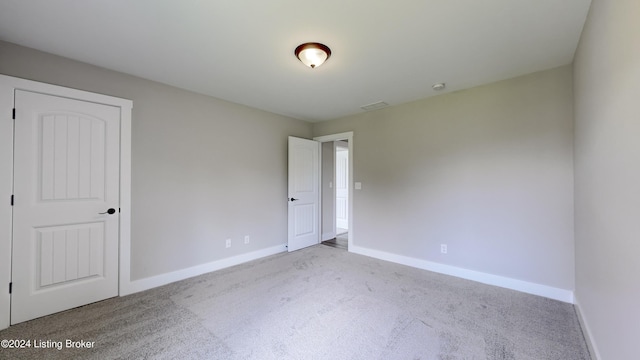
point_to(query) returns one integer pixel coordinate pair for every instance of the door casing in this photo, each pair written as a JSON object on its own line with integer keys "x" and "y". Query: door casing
{"x": 349, "y": 137}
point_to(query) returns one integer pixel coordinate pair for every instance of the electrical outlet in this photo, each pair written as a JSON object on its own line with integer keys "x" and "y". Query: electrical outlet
{"x": 443, "y": 248}
{"x": 246, "y": 239}
{"x": 228, "y": 243}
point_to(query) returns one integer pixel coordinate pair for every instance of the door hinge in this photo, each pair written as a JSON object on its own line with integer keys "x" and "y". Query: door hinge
{"x": 10, "y": 287}
{"x": 14, "y": 114}
{"x": 11, "y": 200}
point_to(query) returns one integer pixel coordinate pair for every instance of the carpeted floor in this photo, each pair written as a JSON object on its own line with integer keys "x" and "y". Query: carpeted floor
{"x": 316, "y": 303}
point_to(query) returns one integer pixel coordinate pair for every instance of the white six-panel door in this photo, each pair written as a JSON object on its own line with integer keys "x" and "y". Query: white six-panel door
{"x": 304, "y": 193}
{"x": 66, "y": 161}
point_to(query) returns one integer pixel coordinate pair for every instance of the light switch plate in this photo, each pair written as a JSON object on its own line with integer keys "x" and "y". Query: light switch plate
{"x": 358, "y": 185}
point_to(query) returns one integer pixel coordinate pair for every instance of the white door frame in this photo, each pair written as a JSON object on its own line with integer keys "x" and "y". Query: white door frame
{"x": 8, "y": 85}
{"x": 349, "y": 137}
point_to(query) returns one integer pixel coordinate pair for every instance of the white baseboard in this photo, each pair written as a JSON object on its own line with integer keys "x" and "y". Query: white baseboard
{"x": 328, "y": 236}
{"x": 501, "y": 281}
{"x": 163, "y": 279}
{"x": 586, "y": 331}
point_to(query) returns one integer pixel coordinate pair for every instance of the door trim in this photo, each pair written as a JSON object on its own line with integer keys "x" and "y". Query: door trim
{"x": 8, "y": 85}
{"x": 349, "y": 137}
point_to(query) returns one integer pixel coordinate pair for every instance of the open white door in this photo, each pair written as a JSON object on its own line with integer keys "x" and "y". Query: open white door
{"x": 66, "y": 219}
{"x": 304, "y": 193}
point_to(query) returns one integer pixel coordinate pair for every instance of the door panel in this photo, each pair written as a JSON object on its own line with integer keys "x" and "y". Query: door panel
{"x": 73, "y": 158}
{"x": 67, "y": 159}
{"x": 304, "y": 187}
{"x": 305, "y": 218}
{"x": 69, "y": 253}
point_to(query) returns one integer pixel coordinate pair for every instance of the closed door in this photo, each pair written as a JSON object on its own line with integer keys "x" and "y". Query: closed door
{"x": 65, "y": 238}
{"x": 304, "y": 193}
{"x": 342, "y": 188}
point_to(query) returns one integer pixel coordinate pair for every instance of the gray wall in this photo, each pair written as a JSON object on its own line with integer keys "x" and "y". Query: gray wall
{"x": 487, "y": 171}
{"x": 607, "y": 173}
{"x": 203, "y": 169}
{"x": 328, "y": 193}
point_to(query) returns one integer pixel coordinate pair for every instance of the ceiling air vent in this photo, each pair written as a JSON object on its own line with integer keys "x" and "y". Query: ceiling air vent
{"x": 374, "y": 106}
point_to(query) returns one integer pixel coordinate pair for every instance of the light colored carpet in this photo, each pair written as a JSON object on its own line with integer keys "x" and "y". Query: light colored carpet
{"x": 315, "y": 303}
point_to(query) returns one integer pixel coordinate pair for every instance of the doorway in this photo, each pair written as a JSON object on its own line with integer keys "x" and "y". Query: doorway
{"x": 336, "y": 188}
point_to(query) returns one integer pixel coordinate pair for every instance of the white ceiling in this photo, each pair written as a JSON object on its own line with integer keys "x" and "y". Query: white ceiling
{"x": 242, "y": 50}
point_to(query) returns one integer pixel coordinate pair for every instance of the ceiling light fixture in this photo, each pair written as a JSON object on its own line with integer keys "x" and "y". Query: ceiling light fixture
{"x": 313, "y": 54}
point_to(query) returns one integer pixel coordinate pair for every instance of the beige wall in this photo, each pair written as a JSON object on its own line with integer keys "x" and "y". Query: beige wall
{"x": 607, "y": 173}
{"x": 204, "y": 170}
{"x": 328, "y": 192}
{"x": 488, "y": 171}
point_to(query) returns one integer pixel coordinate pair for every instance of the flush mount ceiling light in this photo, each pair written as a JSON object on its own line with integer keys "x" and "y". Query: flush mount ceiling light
{"x": 313, "y": 54}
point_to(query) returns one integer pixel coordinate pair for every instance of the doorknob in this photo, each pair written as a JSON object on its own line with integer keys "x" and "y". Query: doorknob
{"x": 293, "y": 199}
{"x": 110, "y": 211}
